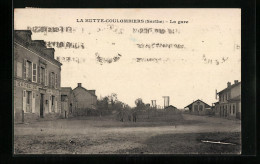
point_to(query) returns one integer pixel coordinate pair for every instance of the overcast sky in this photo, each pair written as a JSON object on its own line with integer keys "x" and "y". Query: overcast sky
{"x": 182, "y": 73}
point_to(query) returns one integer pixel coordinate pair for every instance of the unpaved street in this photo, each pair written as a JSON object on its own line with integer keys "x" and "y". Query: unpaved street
{"x": 106, "y": 135}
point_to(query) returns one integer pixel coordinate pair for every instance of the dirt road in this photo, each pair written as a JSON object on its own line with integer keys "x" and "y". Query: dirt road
{"x": 105, "y": 135}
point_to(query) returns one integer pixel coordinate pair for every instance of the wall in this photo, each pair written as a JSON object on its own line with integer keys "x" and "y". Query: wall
{"x": 84, "y": 99}
{"x": 236, "y": 91}
{"x": 21, "y": 53}
{"x": 202, "y": 112}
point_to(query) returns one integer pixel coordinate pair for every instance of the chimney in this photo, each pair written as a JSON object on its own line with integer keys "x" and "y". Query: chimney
{"x": 79, "y": 84}
{"x": 235, "y": 81}
{"x": 228, "y": 84}
{"x": 50, "y": 52}
{"x": 24, "y": 34}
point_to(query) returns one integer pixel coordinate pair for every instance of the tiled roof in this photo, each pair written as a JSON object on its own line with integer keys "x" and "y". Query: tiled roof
{"x": 228, "y": 88}
{"x": 85, "y": 90}
{"x": 206, "y": 105}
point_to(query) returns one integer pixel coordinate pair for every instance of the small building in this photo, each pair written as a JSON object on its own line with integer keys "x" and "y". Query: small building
{"x": 229, "y": 104}
{"x": 170, "y": 108}
{"x": 198, "y": 107}
{"x": 86, "y": 99}
{"x": 36, "y": 78}
{"x": 68, "y": 102}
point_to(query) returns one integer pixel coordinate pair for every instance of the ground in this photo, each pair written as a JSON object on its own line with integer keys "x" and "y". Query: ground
{"x": 105, "y": 135}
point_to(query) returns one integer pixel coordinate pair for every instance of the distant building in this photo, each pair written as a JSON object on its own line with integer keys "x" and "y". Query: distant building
{"x": 86, "y": 99}
{"x": 229, "y": 104}
{"x": 198, "y": 107}
{"x": 170, "y": 108}
{"x": 68, "y": 102}
{"x": 36, "y": 78}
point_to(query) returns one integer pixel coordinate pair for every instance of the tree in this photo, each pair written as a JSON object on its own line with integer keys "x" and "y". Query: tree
{"x": 139, "y": 104}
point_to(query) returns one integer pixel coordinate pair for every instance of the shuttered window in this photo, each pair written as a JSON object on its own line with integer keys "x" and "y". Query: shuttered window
{"x": 46, "y": 77}
{"x": 42, "y": 75}
{"x": 28, "y": 70}
{"x": 56, "y": 81}
{"x": 34, "y": 72}
{"x": 19, "y": 69}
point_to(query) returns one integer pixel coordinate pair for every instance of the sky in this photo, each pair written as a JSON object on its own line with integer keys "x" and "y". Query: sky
{"x": 203, "y": 53}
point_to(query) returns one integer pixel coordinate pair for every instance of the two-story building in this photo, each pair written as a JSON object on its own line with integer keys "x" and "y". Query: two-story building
{"x": 229, "y": 104}
{"x": 36, "y": 78}
{"x": 86, "y": 99}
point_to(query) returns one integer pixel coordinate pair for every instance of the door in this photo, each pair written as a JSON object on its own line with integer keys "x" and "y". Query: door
{"x": 28, "y": 101}
{"x": 50, "y": 104}
{"x": 33, "y": 102}
{"x": 41, "y": 105}
{"x": 56, "y": 105}
{"x": 24, "y": 100}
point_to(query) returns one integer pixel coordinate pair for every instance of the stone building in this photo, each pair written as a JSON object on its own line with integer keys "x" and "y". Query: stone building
{"x": 68, "y": 102}
{"x": 229, "y": 104}
{"x": 86, "y": 99}
{"x": 198, "y": 107}
{"x": 36, "y": 78}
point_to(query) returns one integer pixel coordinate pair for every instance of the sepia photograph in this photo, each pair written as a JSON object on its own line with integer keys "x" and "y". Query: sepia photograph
{"x": 127, "y": 81}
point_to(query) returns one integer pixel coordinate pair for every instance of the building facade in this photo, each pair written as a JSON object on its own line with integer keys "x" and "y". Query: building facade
{"x": 198, "y": 107}
{"x": 86, "y": 99}
{"x": 229, "y": 104}
{"x": 68, "y": 102}
{"x": 36, "y": 78}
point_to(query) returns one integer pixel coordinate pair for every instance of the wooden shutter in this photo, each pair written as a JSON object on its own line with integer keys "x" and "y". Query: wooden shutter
{"x": 33, "y": 102}
{"x": 46, "y": 77}
{"x": 24, "y": 100}
{"x": 34, "y": 72}
{"x": 56, "y": 80}
{"x": 24, "y": 69}
{"x": 39, "y": 80}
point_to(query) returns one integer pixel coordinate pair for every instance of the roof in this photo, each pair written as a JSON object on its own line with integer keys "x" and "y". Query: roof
{"x": 206, "y": 105}
{"x": 228, "y": 88}
{"x": 170, "y": 106}
{"x": 22, "y": 40}
{"x": 66, "y": 88}
{"x": 85, "y": 90}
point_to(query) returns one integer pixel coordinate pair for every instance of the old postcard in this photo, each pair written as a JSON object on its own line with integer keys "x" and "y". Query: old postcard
{"x": 127, "y": 81}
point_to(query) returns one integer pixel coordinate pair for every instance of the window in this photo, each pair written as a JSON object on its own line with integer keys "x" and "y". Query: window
{"x": 52, "y": 79}
{"x": 46, "y": 77}
{"x": 201, "y": 107}
{"x": 196, "y": 107}
{"x": 52, "y": 100}
{"x": 28, "y": 70}
{"x": 19, "y": 69}
{"x": 42, "y": 75}
{"x": 234, "y": 109}
{"x": 28, "y": 97}
{"x": 56, "y": 80}
{"x": 63, "y": 97}
{"x": 34, "y": 72}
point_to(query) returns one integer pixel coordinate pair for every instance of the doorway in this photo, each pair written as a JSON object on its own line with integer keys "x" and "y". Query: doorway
{"x": 41, "y": 105}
